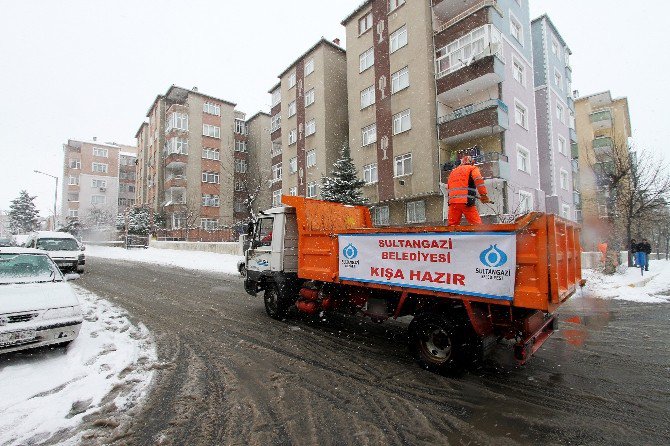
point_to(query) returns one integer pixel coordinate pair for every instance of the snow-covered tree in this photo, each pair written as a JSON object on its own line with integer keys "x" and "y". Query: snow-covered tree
{"x": 139, "y": 221}
{"x": 343, "y": 186}
{"x": 23, "y": 215}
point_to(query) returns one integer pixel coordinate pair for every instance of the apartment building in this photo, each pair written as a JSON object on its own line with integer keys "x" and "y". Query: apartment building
{"x": 258, "y": 187}
{"x": 99, "y": 180}
{"x": 308, "y": 120}
{"x": 431, "y": 83}
{"x": 555, "y": 110}
{"x": 604, "y": 130}
{"x": 193, "y": 154}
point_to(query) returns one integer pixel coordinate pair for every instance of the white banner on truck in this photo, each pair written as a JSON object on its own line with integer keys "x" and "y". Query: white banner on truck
{"x": 479, "y": 264}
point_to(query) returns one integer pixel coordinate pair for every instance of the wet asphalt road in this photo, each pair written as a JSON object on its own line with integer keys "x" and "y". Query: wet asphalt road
{"x": 229, "y": 375}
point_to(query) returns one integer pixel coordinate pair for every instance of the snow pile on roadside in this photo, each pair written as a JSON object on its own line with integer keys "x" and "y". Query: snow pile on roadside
{"x": 45, "y": 392}
{"x": 653, "y": 287}
{"x": 195, "y": 260}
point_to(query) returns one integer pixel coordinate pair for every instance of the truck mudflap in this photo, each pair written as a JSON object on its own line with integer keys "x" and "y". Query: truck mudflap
{"x": 532, "y": 341}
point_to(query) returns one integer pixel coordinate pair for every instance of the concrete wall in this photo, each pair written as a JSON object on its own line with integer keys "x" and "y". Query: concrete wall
{"x": 232, "y": 248}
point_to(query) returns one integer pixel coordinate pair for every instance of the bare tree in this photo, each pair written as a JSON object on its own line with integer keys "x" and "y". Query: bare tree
{"x": 251, "y": 186}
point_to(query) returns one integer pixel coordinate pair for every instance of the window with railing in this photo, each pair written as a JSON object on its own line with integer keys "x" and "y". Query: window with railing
{"x": 176, "y": 145}
{"x": 480, "y": 42}
{"x": 177, "y": 121}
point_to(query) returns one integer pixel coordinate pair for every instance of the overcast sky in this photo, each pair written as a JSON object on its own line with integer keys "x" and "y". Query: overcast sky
{"x": 83, "y": 68}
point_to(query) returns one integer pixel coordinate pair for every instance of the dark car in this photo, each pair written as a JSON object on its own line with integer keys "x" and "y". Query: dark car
{"x": 5, "y": 242}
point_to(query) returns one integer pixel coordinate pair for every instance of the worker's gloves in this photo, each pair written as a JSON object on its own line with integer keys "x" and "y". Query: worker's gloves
{"x": 485, "y": 199}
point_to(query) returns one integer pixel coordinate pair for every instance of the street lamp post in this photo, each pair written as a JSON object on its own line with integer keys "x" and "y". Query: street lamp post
{"x": 55, "y": 195}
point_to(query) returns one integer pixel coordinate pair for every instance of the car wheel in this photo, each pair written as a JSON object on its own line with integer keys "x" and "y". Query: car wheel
{"x": 275, "y": 304}
{"x": 436, "y": 343}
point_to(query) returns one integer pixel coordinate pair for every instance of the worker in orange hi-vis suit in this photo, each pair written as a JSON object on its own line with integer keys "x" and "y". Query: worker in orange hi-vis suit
{"x": 462, "y": 186}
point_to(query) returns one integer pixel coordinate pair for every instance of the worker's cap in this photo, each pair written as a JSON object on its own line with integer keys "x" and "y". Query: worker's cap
{"x": 467, "y": 159}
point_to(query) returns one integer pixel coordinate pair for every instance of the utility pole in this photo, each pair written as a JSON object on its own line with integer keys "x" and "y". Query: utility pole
{"x": 55, "y": 195}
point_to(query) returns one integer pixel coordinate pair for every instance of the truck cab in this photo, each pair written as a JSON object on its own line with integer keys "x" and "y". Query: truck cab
{"x": 272, "y": 257}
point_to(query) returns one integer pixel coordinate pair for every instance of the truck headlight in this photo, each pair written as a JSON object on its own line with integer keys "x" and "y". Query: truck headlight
{"x": 59, "y": 313}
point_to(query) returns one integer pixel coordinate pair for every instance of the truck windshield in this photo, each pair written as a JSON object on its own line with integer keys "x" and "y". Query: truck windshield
{"x": 57, "y": 244}
{"x": 27, "y": 268}
{"x": 264, "y": 232}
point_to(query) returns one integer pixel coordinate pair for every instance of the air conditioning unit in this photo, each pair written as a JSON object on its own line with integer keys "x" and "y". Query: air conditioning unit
{"x": 103, "y": 189}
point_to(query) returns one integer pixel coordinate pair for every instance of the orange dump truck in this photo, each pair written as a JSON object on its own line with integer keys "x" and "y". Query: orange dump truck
{"x": 466, "y": 287}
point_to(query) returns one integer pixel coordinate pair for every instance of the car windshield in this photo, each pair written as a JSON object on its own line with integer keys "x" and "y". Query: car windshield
{"x": 27, "y": 268}
{"x": 57, "y": 244}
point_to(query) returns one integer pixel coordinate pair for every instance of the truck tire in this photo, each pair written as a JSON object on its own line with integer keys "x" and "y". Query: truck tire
{"x": 436, "y": 343}
{"x": 276, "y": 305}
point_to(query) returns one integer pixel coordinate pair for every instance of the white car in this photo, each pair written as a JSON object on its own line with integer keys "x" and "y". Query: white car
{"x": 37, "y": 306}
{"x": 63, "y": 248}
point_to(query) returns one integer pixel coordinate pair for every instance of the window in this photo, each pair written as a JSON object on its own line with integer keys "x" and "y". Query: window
{"x": 73, "y": 213}
{"x": 309, "y": 67}
{"x": 369, "y": 135}
{"x": 209, "y": 224}
{"x": 240, "y": 146}
{"x": 240, "y": 127}
{"x": 416, "y": 211}
{"x": 525, "y": 202}
{"x": 177, "y": 145}
{"x": 98, "y": 183}
{"x": 293, "y": 165}
{"x": 403, "y": 165}
{"x": 210, "y": 177}
{"x": 276, "y": 149}
{"x": 309, "y": 97}
{"x": 310, "y": 127}
{"x": 398, "y": 39}
{"x": 211, "y": 130}
{"x": 131, "y": 188}
{"x": 516, "y": 29}
{"x": 212, "y": 109}
{"x": 522, "y": 159}
{"x": 276, "y": 198}
{"x": 519, "y": 71}
{"x": 393, "y": 4}
{"x": 275, "y": 122}
{"x": 210, "y": 200}
{"x": 560, "y": 114}
{"x": 293, "y": 190}
{"x": 564, "y": 179}
{"x": 365, "y": 23}
{"x": 367, "y": 97}
{"x": 73, "y": 181}
{"x": 380, "y": 216}
{"x": 75, "y": 164}
{"x": 558, "y": 79}
{"x": 562, "y": 145}
{"x": 177, "y": 121}
{"x": 565, "y": 211}
{"x": 210, "y": 154}
{"x": 367, "y": 59}
{"x": 460, "y": 53}
{"x": 240, "y": 166}
{"x": 311, "y": 158}
{"x": 291, "y": 80}
{"x": 401, "y": 122}
{"x": 99, "y": 167}
{"x": 276, "y": 97}
{"x": 400, "y": 80}
{"x": 312, "y": 189}
{"x": 97, "y": 151}
{"x": 291, "y": 109}
{"x": 555, "y": 48}
{"x": 276, "y": 172}
{"x": 98, "y": 200}
{"x": 292, "y": 136}
{"x": 520, "y": 114}
{"x": 370, "y": 173}
{"x": 73, "y": 196}
{"x": 240, "y": 186}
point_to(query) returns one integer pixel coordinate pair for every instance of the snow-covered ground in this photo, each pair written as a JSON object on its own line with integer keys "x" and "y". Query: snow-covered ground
{"x": 196, "y": 260}
{"x": 44, "y": 392}
{"x": 653, "y": 287}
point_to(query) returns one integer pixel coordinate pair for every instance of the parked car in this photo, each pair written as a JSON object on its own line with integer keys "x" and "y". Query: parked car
{"x": 62, "y": 247}
{"x": 19, "y": 239}
{"x": 37, "y": 306}
{"x": 5, "y": 242}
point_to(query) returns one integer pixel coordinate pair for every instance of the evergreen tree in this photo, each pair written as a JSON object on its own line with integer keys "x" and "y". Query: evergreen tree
{"x": 343, "y": 186}
{"x": 139, "y": 221}
{"x": 23, "y": 215}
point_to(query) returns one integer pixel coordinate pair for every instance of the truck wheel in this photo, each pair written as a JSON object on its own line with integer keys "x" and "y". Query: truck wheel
{"x": 275, "y": 305}
{"x": 435, "y": 343}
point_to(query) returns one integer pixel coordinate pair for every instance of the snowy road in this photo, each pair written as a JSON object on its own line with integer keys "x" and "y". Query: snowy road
{"x": 231, "y": 375}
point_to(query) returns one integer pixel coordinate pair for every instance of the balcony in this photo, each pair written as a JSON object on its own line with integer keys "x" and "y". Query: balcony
{"x": 457, "y": 84}
{"x": 450, "y": 13}
{"x": 474, "y": 121}
{"x": 573, "y": 135}
{"x": 601, "y": 120}
{"x": 603, "y": 147}
{"x": 493, "y": 165}
{"x": 173, "y": 181}
{"x": 176, "y": 160}
{"x": 574, "y": 150}
{"x": 576, "y": 198}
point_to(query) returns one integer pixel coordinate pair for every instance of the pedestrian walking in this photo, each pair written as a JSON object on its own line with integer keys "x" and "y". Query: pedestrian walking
{"x": 633, "y": 250}
{"x": 645, "y": 247}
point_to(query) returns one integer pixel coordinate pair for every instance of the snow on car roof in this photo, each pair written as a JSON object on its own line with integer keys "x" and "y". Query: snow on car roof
{"x": 53, "y": 234}
{"x": 20, "y": 250}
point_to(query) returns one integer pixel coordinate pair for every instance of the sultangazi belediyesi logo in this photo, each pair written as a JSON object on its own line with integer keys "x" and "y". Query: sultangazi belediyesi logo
{"x": 350, "y": 252}
{"x": 493, "y": 257}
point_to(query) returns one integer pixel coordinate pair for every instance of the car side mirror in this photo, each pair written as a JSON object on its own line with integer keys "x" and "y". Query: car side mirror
{"x": 71, "y": 277}
{"x": 83, "y": 248}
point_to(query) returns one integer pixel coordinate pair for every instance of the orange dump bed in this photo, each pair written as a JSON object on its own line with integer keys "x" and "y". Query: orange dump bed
{"x": 548, "y": 252}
